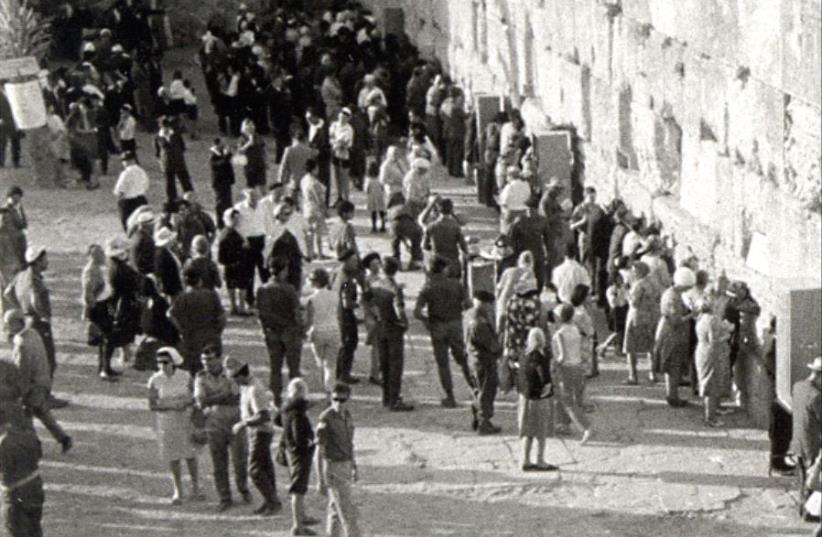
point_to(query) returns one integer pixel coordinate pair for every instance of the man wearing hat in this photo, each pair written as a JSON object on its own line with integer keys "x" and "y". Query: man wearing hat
{"x": 255, "y": 418}
{"x": 336, "y": 464}
{"x": 532, "y": 233}
{"x": 485, "y": 350}
{"x": 341, "y": 138}
{"x": 29, "y": 355}
{"x": 167, "y": 265}
{"x": 131, "y": 187}
{"x": 170, "y": 150}
{"x": 219, "y": 398}
{"x": 142, "y": 248}
{"x": 28, "y": 293}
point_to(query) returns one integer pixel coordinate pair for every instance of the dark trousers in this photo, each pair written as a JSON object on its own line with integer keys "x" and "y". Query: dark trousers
{"x": 597, "y": 268}
{"x": 406, "y": 231}
{"x": 82, "y": 162}
{"x": 487, "y": 378}
{"x": 390, "y": 351}
{"x": 44, "y": 329}
{"x": 324, "y": 175}
{"x": 44, "y": 415}
{"x": 260, "y": 465}
{"x": 256, "y": 246}
{"x": 454, "y": 153}
{"x": 447, "y": 336}
{"x": 105, "y": 147}
{"x": 222, "y": 202}
{"x": 22, "y": 510}
{"x": 172, "y": 175}
{"x": 221, "y": 443}
{"x": 780, "y": 430}
{"x": 14, "y": 139}
{"x": 350, "y": 338}
{"x": 283, "y": 345}
{"x": 129, "y": 145}
{"x": 129, "y": 205}
{"x": 104, "y": 354}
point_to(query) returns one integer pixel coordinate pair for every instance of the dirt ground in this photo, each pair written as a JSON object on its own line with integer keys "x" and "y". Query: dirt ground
{"x": 649, "y": 471}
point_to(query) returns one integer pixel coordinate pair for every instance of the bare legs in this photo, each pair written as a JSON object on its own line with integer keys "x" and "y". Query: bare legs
{"x": 177, "y": 480}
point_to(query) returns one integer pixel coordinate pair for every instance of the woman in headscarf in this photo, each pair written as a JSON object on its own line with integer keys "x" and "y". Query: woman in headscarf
{"x": 712, "y": 358}
{"x": 742, "y": 311}
{"x": 298, "y": 442}
{"x": 95, "y": 289}
{"x": 534, "y": 409}
{"x": 673, "y": 334}
{"x": 507, "y": 283}
{"x": 118, "y": 315}
{"x": 643, "y": 313}
{"x": 170, "y": 398}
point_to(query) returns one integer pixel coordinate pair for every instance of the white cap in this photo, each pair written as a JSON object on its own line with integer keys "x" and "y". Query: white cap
{"x": 33, "y": 253}
{"x": 118, "y": 246}
{"x": 163, "y": 236}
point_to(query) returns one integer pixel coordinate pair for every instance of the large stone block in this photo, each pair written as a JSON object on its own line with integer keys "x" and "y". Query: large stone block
{"x": 760, "y": 40}
{"x": 802, "y": 58}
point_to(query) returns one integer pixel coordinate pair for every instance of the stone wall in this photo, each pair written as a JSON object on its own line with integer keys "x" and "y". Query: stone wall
{"x": 703, "y": 114}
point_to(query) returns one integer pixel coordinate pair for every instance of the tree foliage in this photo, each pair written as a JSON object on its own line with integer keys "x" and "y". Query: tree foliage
{"x": 22, "y": 31}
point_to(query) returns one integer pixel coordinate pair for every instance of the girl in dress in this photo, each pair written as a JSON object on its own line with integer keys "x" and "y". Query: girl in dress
{"x": 375, "y": 196}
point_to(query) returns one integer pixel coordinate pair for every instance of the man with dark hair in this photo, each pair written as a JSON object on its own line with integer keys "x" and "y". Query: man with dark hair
{"x": 444, "y": 238}
{"x": 387, "y": 299}
{"x": 594, "y": 227}
{"x": 342, "y": 236}
{"x": 131, "y": 187}
{"x": 255, "y": 418}
{"x": 345, "y": 285}
{"x": 404, "y": 230}
{"x": 219, "y": 399}
{"x": 170, "y": 150}
{"x": 198, "y": 315}
{"x": 292, "y": 167}
{"x": 278, "y": 308}
{"x": 485, "y": 349}
{"x": 318, "y": 141}
{"x": 439, "y": 306}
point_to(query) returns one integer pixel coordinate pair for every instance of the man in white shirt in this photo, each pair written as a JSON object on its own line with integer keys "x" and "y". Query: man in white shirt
{"x": 513, "y": 199}
{"x": 255, "y": 417}
{"x": 569, "y": 274}
{"x": 251, "y": 225}
{"x": 131, "y": 187}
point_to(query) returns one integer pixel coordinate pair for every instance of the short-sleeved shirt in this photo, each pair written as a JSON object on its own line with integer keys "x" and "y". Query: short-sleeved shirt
{"x": 335, "y": 435}
{"x": 325, "y": 305}
{"x": 444, "y": 298}
{"x": 221, "y": 417}
{"x": 444, "y": 238}
{"x": 255, "y": 398}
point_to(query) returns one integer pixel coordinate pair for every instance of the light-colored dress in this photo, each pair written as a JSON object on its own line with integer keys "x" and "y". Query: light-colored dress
{"x": 173, "y": 427}
{"x": 713, "y": 363}
{"x": 673, "y": 334}
{"x": 375, "y": 195}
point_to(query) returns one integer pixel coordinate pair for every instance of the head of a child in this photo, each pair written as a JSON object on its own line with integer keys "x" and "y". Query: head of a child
{"x": 345, "y": 210}
{"x": 319, "y": 279}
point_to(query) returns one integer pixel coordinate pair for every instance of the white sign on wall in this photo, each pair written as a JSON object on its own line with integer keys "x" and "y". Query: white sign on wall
{"x": 27, "y": 105}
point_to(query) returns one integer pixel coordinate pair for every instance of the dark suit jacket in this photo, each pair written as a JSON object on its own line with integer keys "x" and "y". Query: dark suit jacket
{"x": 167, "y": 271}
{"x": 142, "y": 253}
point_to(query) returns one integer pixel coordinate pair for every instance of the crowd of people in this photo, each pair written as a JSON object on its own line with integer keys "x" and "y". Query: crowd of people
{"x": 344, "y": 107}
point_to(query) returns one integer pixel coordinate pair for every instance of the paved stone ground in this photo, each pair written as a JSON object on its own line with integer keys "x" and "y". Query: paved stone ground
{"x": 650, "y": 470}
